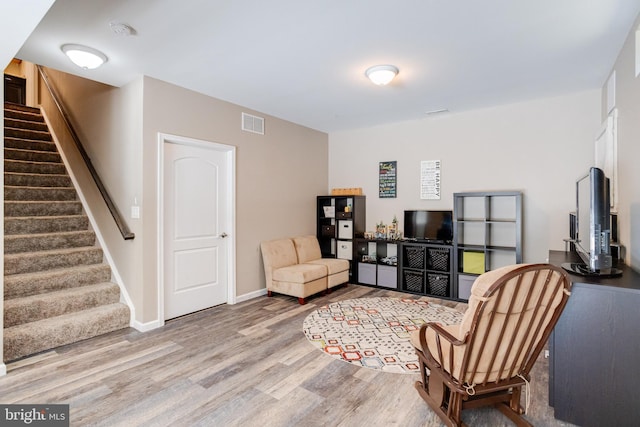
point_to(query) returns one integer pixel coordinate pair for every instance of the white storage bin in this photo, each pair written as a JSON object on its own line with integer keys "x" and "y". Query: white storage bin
{"x": 388, "y": 276}
{"x": 345, "y": 250}
{"x": 464, "y": 285}
{"x": 366, "y": 273}
{"x": 345, "y": 229}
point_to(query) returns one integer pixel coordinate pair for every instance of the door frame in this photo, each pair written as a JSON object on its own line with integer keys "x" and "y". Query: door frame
{"x": 164, "y": 138}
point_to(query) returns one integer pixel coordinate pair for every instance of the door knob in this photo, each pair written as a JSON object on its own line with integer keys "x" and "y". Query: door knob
{"x": 223, "y": 235}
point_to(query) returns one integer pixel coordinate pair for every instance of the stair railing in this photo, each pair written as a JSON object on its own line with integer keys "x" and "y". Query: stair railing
{"x": 127, "y": 234}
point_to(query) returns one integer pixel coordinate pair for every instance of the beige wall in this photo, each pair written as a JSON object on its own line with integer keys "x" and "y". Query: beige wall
{"x": 628, "y": 104}
{"x": 278, "y": 175}
{"x": 539, "y": 147}
{"x": 108, "y": 122}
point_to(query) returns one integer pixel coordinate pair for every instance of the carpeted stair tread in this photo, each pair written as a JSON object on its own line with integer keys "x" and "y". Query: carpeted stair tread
{"x": 23, "y": 166}
{"x": 18, "y": 243}
{"x": 18, "y": 311}
{"x": 11, "y": 122}
{"x": 29, "y": 116}
{"x": 27, "y": 134}
{"x": 21, "y": 208}
{"x": 45, "y": 224}
{"x": 37, "y": 180}
{"x": 39, "y": 193}
{"x": 28, "y": 144}
{"x": 32, "y": 155}
{"x": 33, "y": 337}
{"x": 28, "y": 262}
{"x": 21, "y": 285}
{"x": 12, "y": 106}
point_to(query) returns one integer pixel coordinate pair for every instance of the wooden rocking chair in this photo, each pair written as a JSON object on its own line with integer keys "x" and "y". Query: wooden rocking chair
{"x": 487, "y": 358}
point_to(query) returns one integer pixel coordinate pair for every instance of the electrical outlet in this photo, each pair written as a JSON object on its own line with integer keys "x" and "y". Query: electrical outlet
{"x": 135, "y": 212}
{"x": 546, "y": 354}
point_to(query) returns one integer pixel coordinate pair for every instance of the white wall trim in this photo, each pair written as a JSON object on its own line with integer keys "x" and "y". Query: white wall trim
{"x": 124, "y": 295}
{"x": 251, "y": 295}
{"x": 148, "y": 326}
{"x": 231, "y": 213}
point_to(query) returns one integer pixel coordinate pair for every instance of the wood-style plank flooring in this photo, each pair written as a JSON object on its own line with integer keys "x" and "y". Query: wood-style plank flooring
{"x": 247, "y": 364}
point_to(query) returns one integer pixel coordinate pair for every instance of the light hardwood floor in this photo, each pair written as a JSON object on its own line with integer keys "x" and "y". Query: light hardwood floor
{"x": 247, "y": 364}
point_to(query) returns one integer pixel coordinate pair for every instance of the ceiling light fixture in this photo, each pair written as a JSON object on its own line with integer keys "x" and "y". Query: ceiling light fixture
{"x": 381, "y": 74}
{"x": 83, "y": 56}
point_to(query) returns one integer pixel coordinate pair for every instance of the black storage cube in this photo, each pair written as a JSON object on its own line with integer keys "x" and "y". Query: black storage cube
{"x": 413, "y": 257}
{"x": 413, "y": 281}
{"x": 438, "y": 259}
{"x": 438, "y": 284}
{"x": 328, "y": 230}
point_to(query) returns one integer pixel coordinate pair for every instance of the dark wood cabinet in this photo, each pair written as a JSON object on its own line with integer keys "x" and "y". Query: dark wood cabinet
{"x": 594, "y": 350}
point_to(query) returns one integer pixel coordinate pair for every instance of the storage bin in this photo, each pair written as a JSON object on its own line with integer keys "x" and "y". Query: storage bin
{"x": 388, "y": 276}
{"x": 413, "y": 281}
{"x": 328, "y": 230}
{"x": 345, "y": 229}
{"x": 345, "y": 250}
{"x": 464, "y": 285}
{"x": 413, "y": 256}
{"x": 438, "y": 284}
{"x": 367, "y": 273}
{"x": 438, "y": 259}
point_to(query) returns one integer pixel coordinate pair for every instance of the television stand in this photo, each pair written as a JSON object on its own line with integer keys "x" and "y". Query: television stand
{"x": 581, "y": 269}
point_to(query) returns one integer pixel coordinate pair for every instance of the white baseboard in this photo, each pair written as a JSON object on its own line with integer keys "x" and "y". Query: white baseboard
{"x": 251, "y": 295}
{"x": 144, "y": 327}
{"x": 149, "y": 326}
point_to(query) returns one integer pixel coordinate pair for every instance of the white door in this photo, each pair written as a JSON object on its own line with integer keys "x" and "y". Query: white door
{"x": 195, "y": 198}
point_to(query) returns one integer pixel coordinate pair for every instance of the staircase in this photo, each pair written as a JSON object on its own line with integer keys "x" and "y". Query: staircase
{"x": 57, "y": 289}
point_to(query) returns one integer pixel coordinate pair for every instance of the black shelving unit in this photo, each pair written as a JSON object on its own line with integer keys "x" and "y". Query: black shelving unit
{"x": 340, "y": 220}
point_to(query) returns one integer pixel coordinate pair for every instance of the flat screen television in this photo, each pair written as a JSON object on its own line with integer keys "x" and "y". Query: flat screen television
{"x": 430, "y": 226}
{"x": 592, "y": 240}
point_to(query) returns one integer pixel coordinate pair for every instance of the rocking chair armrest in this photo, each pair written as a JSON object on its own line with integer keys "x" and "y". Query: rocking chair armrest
{"x": 439, "y": 330}
{"x": 440, "y": 333}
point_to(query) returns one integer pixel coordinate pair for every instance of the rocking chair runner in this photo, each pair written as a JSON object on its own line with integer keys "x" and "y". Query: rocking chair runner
{"x": 486, "y": 359}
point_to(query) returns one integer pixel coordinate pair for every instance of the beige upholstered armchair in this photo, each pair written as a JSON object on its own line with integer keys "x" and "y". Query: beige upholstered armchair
{"x": 487, "y": 358}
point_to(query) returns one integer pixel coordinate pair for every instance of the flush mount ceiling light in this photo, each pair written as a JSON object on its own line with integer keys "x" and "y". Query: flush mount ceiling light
{"x": 83, "y": 56}
{"x": 381, "y": 74}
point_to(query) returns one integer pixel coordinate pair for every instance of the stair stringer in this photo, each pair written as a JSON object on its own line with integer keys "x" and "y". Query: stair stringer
{"x": 117, "y": 278}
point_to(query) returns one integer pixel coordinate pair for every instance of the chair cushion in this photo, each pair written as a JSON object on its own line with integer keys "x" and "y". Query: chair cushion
{"x": 299, "y": 273}
{"x": 333, "y": 265}
{"x": 279, "y": 253}
{"x": 307, "y": 248}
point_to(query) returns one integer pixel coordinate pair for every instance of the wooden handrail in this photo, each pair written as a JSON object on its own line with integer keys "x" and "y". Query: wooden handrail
{"x": 127, "y": 234}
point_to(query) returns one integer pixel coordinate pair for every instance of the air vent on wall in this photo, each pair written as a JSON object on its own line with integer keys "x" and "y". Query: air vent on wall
{"x": 253, "y": 124}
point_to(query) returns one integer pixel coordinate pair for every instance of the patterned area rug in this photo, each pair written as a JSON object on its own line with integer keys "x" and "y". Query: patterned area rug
{"x": 374, "y": 332}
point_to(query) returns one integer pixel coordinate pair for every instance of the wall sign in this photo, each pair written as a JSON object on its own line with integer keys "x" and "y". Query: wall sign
{"x": 388, "y": 180}
{"x": 430, "y": 179}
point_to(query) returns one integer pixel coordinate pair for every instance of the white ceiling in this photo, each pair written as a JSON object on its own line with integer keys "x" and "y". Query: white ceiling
{"x": 304, "y": 61}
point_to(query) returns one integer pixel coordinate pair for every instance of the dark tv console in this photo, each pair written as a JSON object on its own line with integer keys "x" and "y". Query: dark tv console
{"x": 582, "y": 269}
{"x": 594, "y": 348}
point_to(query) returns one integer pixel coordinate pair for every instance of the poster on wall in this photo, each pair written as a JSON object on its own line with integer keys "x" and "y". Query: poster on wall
{"x": 388, "y": 179}
{"x": 430, "y": 179}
